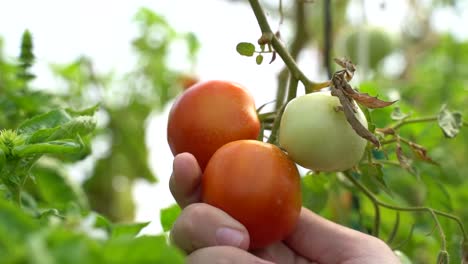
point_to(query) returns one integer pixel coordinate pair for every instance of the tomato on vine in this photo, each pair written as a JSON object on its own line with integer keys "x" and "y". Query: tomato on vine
{"x": 209, "y": 115}
{"x": 258, "y": 185}
{"x": 316, "y": 135}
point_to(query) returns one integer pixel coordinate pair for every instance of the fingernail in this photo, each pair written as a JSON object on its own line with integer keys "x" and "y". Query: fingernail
{"x": 229, "y": 237}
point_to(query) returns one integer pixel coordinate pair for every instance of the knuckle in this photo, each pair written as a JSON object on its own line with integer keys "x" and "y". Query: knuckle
{"x": 196, "y": 211}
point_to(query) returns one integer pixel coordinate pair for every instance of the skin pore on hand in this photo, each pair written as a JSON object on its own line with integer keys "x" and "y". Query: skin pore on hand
{"x": 209, "y": 235}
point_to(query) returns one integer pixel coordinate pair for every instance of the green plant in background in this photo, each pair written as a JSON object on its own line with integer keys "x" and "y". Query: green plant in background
{"x": 54, "y": 219}
{"x": 127, "y": 103}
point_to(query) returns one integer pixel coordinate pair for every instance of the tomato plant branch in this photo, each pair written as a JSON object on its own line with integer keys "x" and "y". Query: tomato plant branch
{"x": 269, "y": 37}
{"x": 327, "y": 30}
{"x": 301, "y": 36}
{"x": 433, "y": 212}
{"x": 293, "y": 82}
{"x": 414, "y": 120}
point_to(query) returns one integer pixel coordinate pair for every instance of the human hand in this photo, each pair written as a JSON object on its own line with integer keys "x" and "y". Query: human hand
{"x": 209, "y": 235}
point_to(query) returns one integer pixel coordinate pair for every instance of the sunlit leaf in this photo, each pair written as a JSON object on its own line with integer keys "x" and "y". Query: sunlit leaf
{"x": 48, "y": 120}
{"x": 168, "y": 216}
{"x": 259, "y": 59}
{"x": 127, "y": 230}
{"x": 245, "y": 49}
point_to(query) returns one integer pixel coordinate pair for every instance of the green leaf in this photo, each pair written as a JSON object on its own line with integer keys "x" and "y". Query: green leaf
{"x": 373, "y": 177}
{"x": 193, "y": 43}
{"x": 168, "y": 216}
{"x": 450, "y": 122}
{"x": 144, "y": 249}
{"x": 245, "y": 49}
{"x": 15, "y": 225}
{"x": 51, "y": 147}
{"x": 259, "y": 59}
{"x": 314, "y": 189}
{"x": 127, "y": 230}
{"x": 56, "y": 189}
{"x": 48, "y": 120}
{"x": 81, "y": 125}
{"x": 90, "y": 111}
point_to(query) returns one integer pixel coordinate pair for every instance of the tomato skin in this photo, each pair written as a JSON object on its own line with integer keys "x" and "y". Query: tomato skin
{"x": 209, "y": 115}
{"x": 258, "y": 185}
{"x": 317, "y": 136}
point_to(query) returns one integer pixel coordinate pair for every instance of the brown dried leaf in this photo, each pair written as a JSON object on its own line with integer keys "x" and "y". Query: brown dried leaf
{"x": 405, "y": 162}
{"x": 349, "y": 111}
{"x": 273, "y": 57}
{"x": 421, "y": 153}
{"x": 365, "y": 99}
{"x": 348, "y": 68}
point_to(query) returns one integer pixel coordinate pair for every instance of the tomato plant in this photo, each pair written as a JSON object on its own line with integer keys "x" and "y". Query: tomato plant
{"x": 209, "y": 115}
{"x": 258, "y": 185}
{"x": 316, "y": 134}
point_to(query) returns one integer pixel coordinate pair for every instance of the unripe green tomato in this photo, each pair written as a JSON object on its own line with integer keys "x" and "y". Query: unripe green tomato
{"x": 317, "y": 135}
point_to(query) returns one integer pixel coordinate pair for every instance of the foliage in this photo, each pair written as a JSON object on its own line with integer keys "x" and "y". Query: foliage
{"x": 45, "y": 216}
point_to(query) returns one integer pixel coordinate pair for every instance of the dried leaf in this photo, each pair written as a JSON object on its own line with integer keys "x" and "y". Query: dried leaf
{"x": 405, "y": 162}
{"x": 365, "y": 99}
{"x": 450, "y": 122}
{"x": 273, "y": 57}
{"x": 348, "y": 67}
{"x": 348, "y": 108}
{"x": 421, "y": 153}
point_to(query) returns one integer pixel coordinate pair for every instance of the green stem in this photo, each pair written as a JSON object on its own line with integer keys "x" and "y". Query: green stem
{"x": 433, "y": 212}
{"x": 266, "y": 116}
{"x": 414, "y": 120}
{"x": 269, "y": 37}
{"x": 293, "y": 82}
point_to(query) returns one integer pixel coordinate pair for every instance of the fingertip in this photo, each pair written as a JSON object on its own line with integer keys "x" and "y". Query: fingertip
{"x": 185, "y": 161}
{"x": 185, "y": 179}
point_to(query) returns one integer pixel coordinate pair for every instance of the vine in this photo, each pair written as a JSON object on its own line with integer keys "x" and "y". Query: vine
{"x": 450, "y": 126}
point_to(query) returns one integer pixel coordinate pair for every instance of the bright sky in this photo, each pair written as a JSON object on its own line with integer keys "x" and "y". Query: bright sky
{"x": 102, "y": 30}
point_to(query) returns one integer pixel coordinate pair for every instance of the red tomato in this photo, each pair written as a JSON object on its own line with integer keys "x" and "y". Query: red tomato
{"x": 258, "y": 185}
{"x": 209, "y": 115}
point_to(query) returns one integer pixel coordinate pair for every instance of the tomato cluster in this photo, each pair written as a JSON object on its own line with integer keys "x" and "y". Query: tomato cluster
{"x": 256, "y": 182}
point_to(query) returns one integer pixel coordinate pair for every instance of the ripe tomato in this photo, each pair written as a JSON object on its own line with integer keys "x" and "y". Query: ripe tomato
{"x": 258, "y": 185}
{"x": 317, "y": 136}
{"x": 209, "y": 115}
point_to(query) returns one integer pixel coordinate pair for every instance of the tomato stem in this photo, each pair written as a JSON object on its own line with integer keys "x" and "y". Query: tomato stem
{"x": 415, "y": 120}
{"x": 292, "y": 90}
{"x": 267, "y": 34}
{"x": 434, "y": 213}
